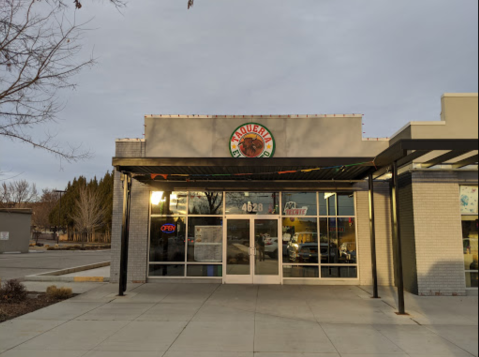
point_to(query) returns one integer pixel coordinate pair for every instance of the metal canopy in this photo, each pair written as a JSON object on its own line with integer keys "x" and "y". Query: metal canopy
{"x": 243, "y": 170}
{"x": 406, "y": 151}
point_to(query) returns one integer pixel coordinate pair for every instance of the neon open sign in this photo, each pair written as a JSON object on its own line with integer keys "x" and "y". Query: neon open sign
{"x": 168, "y": 228}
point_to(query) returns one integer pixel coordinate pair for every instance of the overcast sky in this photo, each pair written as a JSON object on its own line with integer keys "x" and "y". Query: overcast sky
{"x": 390, "y": 60}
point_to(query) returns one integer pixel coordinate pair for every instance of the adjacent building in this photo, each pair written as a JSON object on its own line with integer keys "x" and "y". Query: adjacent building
{"x": 300, "y": 199}
{"x": 15, "y": 230}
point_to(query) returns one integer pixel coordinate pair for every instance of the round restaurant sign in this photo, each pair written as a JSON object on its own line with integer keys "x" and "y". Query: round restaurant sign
{"x": 253, "y": 141}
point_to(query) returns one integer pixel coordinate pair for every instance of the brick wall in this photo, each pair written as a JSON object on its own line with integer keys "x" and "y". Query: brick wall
{"x": 116, "y": 228}
{"x": 136, "y": 268}
{"x": 130, "y": 148}
{"x": 139, "y": 225}
{"x": 408, "y": 238}
{"x": 384, "y": 243}
{"x": 437, "y": 221}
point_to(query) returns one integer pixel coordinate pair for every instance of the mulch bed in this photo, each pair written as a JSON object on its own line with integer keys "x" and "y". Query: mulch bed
{"x": 35, "y": 301}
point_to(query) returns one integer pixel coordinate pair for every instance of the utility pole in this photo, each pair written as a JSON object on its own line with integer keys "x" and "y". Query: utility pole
{"x": 59, "y": 210}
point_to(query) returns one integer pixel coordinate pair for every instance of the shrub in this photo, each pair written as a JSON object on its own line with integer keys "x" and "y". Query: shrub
{"x": 59, "y": 293}
{"x": 13, "y": 292}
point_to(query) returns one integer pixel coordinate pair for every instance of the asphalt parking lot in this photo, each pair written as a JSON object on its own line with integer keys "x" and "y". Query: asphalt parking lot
{"x": 17, "y": 266}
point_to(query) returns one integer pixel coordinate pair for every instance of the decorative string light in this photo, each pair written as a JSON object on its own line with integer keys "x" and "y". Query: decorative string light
{"x": 341, "y": 168}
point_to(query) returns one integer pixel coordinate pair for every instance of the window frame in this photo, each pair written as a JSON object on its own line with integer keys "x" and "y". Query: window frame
{"x": 280, "y": 217}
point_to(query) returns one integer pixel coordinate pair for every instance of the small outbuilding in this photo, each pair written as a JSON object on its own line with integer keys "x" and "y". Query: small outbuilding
{"x": 15, "y": 227}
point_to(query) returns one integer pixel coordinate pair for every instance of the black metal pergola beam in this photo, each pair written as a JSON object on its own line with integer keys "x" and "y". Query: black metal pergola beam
{"x": 125, "y": 232}
{"x": 398, "y": 239}
{"x": 443, "y": 158}
{"x": 232, "y": 162}
{"x": 466, "y": 162}
{"x": 400, "y": 149}
{"x": 411, "y": 157}
{"x": 372, "y": 229}
{"x": 248, "y": 185}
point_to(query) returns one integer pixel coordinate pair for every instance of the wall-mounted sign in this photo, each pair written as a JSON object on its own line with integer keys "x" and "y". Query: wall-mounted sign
{"x": 4, "y": 235}
{"x": 252, "y": 141}
{"x": 168, "y": 228}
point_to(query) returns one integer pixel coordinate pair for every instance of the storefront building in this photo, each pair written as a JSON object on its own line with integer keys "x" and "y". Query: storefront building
{"x": 300, "y": 199}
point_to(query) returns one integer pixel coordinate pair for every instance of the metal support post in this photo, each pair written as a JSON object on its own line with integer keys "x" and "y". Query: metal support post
{"x": 397, "y": 236}
{"x": 125, "y": 231}
{"x": 372, "y": 229}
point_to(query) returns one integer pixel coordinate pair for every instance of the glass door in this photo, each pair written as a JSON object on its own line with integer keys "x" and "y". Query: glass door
{"x": 252, "y": 251}
{"x": 267, "y": 251}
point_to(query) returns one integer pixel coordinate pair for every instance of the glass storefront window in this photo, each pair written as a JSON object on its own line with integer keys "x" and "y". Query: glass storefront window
{"x": 469, "y": 197}
{"x": 168, "y": 203}
{"x": 167, "y": 239}
{"x": 471, "y": 249}
{"x": 300, "y": 204}
{"x": 328, "y": 231}
{"x": 300, "y": 240}
{"x": 291, "y": 271}
{"x": 167, "y": 270}
{"x": 336, "y": 272}
{"x": 345, "y": 204}
{"x": 252, "y": 203}
{"x": 328, "y": 203}
{"x": 205, "y": 271}
{"x": 205, "y": 239}
{"x": 347, "y": 240}
{"x": 205, "y": 203}
{"x": 187, "y": 235}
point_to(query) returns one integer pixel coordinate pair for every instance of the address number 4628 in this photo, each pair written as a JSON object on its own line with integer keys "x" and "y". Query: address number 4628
{"x": 253, "y": 207}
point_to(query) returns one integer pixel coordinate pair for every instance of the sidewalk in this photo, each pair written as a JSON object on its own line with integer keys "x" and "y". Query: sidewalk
{"x": 171, "y": 320}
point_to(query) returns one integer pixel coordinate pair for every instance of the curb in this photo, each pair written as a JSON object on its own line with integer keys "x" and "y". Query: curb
{"x": 69, "y": 279}
{"x": 57, "y": 275}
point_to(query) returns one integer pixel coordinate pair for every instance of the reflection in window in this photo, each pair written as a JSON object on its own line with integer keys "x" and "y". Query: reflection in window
{"x": 299, "y": 204}
{"x": 167, "y": 239}
{"x": 205, "y": 270}
{"x": 347, "y": 240}
{"x": 167, "y": 270}
{"x": 168, "y": 203}
{"x": 253, "y": 203}
{"x": 471, "y": 250}
{"x": 345, "y": 204}
{"x": 205, "y": 239}
{"x": 238, "y": 247}
{"x": 329, "y": 241}
{"x": 300, "y": 240}
{"x": 338, "y": 240}
{"x": 205, "y": 203}
{"x": 290, "y": 271}
{"x": 339, "y": 272}
{"x": 327, "y": 203}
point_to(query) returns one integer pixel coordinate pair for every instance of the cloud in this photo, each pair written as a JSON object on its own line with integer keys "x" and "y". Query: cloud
{"x": 390, "y": 60}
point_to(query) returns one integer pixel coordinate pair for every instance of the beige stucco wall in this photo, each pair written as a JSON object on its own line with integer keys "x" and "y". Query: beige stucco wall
{"x": 459, "y": 120}
{"x": 384, "y": 243}
{"x": 295, "y": 137}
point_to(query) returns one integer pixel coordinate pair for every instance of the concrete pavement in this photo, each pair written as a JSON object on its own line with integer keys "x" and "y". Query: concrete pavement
{"x": 17, "y": 266}
{"x": 204, "y": 320}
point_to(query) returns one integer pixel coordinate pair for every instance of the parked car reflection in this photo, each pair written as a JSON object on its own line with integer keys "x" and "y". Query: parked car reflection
{"x": 299, "y": 241}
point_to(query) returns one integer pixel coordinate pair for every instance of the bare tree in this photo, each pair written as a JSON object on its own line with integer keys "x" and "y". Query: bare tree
{"x": 17, "y": 194}
{"x": 90, "y": 213}
{"x": 42, "y": 210}
{"x": 39, "y": 48}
